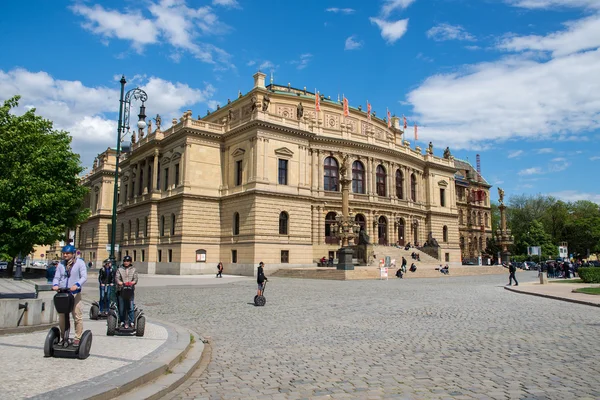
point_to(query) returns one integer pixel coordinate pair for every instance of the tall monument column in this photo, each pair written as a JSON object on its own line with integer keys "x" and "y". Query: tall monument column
{"x": 346, "y": 228}
{"x": 503, "y": 235}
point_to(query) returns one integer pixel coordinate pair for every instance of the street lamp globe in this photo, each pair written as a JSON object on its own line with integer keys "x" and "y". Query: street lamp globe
{"x": 141, "y": 124}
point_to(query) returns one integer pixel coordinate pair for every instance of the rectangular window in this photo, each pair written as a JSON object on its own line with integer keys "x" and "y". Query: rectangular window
{"x": 234, "y": 256}
{"x": 126, "y": 252}
{"x": 143, "y": 255}
{"x": 443, "y": 197}
{"x": 132, "y": 190}
{"x": 447, "y": 257}
{"x": 125, "y": 192}
{"x": 176, "y": 175}
{"x": 158, "y": 177}
{"x": 238, "y": 172}
{"x": 170, "y": 256}
{"x": 166, "y": 179}
{"x": 135, "y": 255}
{"x": 285, "y": 256}
{"x": 160, "y": 256}
{"x": 283, "y": 172}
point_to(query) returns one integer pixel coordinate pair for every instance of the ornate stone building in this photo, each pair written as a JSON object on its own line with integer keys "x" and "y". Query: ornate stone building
{"x": 258, "y": 179}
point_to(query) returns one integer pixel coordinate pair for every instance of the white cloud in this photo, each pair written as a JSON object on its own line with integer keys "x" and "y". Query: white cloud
{"x": 531, "y": 171}
{"x": 573, "y": 195}
{"x": 516, "y": 96}
{"x": 594, "y": 158}
{"x": 88, "y": 113}
{"x": 559, "y": 159}
{"x": 472, "y": 48}
{"x": 267, "y": 66}
{"x": 515, "y": 153}
{"x": 340, "y": 10}
{"x": 533, "y": 4}
{"x": 352, "y": 44}
{"x": 545, "y": 150}
{"x": 250, "y": 63}
{"x": 583, "y": 34}
{"x": 391, "y": 31}
{"x": 226, "y": 3}
{"x": 173, "y": 22}
{"x": 444, "y": 32}
{"x": 391, "y": 5}
{"x": 212, "y": 104}
{"x": 303, "y": 61}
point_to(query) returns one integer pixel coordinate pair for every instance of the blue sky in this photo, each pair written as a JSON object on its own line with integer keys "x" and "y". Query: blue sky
{"x": 516, "y": 81}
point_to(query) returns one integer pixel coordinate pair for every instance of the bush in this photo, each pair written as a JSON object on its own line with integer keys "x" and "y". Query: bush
{"x": 589, "y": 274}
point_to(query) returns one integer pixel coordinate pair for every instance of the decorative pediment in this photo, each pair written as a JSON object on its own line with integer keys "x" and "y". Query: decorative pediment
{"x": 239, "y": 152}
{"x": 443, "y": 183}
{"x": 176, "y": 156}
{"x": 284, "y": 152}
{"x": 96, "y": 189}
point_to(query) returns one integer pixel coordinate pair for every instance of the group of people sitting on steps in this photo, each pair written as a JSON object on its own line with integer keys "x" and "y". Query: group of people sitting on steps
{"x": 402, "y": 270}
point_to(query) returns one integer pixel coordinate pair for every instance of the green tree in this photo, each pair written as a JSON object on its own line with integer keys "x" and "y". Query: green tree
{"x": 537, "y": 236}
{"x": 555, "y": 219}
{"x": 40, "y": 195}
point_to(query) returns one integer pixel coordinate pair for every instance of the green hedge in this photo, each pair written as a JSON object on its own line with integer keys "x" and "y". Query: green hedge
{"x": 589, "y": 274}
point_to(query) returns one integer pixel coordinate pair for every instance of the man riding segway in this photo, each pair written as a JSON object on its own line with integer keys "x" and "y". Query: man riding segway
{"x": 106, "y": 280}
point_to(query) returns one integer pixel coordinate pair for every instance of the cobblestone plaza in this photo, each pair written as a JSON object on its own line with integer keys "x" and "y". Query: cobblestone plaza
{"x": 457, "y": 337}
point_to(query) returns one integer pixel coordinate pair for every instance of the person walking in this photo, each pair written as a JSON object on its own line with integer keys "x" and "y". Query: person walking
{"x": 511, "y": 271}
{"x": 220, "y": 270}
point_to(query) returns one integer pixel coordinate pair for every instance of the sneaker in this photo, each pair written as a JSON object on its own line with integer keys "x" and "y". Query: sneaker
{"x": 76, "y": 343}
{"x": 516, "y": 284}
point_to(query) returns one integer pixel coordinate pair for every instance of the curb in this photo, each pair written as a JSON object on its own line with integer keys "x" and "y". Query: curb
{"x": 548, "y": 296}
{"x": 178, "y": 346}
{"x": 26, "y": 329}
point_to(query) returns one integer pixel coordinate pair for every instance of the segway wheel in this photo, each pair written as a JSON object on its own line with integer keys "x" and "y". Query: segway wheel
{"x": 140, "y": 327}
{"x": 111, "y": 325}
{"x": 260, "y": 301}
{"x": 51, "y": 339}
{"x": 94, "y": 312}
{"x": 85, "y": 344}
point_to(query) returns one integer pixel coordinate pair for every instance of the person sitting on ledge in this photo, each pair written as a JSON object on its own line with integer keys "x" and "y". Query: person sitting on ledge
{"x": 399, "y": 273}
{"x": 413, "y": 267}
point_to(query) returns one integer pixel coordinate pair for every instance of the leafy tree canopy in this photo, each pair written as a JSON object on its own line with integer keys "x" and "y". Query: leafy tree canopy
{"x": 40, "y": 194}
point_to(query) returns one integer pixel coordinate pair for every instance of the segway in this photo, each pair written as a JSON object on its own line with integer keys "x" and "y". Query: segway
{"x": 260, "y": 301}
{"x": 95, "y": 313}
{"x": 112, "y": 321}
{"x": 57, "y": 346}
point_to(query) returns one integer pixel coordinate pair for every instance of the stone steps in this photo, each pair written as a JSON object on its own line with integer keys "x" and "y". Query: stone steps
{"x": 398, "y": 253}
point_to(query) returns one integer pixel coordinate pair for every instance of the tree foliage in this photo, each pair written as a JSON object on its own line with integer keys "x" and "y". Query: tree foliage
{"x": 40, "y": 194}
{"x": 547, "y": 222}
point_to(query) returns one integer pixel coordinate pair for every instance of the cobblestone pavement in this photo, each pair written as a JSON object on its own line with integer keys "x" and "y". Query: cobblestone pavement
{"x": 458, "y": 338}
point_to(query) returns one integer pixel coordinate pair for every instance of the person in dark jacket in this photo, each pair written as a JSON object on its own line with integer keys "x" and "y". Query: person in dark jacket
{"x": 220, "y": 270}
{"x": 512, "y": 270}
{"x": 50, "y": 271}
{"x": 260, "y": 278}
{"x": 106, "y": 280}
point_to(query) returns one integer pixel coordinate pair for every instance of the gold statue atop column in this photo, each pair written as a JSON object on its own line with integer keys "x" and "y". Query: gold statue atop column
{"x": 503, "y": 235}
{"x": 346, "y": 228}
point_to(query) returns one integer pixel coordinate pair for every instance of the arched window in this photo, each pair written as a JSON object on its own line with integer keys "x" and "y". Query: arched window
{"x": 173, "y": 224}
{"x": 480, "y": 219}
{"x": 474, "y": 218}
{"x": 481, "y": 246}
{"x": 445, "y": 233}
{"x": 146, "y": 227}
{"x": 283, "y": 223}
{"x": 462, "y": 242}
{"x": 162, "y": 226}
{"x": 331, "y": 175}
{"x": 358, "y": 177}
{"x": 330, "y": 222}
{"x": 236, "y": 223}
{"x": 137, "y": 228}
{"x": 141, "y": 188}
{"x": 129, "y": 236}
{"x": 487, "y": 219}
{"x": 122, "y": 231}
{"x": 399, "y": 184}
{"x": 413, "y": 187}
{"x": 380, "y": 179}
{"x": 461, "y": 217}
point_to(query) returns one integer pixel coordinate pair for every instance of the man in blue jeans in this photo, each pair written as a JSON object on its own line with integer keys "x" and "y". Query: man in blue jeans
{"x": 126, "y": 275}
{"x": 106, "y": 281}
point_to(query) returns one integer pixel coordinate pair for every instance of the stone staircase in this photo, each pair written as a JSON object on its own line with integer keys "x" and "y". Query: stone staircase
{"x": 398, "y": 253}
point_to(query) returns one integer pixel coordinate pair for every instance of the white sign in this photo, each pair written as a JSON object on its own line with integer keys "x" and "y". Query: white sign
{"x": 563, "y": 252}
{"x": 383, "y": 273}
{"x": 534, "y": 251}
{"x": 108, "y": 247}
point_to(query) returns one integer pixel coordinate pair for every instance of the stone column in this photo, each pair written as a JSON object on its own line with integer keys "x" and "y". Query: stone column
{"x": 184, "y": 165}
{"x": 300, "y": 166}
{"x": 320, "y": 226}
{"x": 320, "y": 170}
{"x": 389, "y": 179}
{"x": 155, "y": 173}
{"x": 266, "y": 160}
{"x": 314, "y": 166}
{"x": 371, "y": 176}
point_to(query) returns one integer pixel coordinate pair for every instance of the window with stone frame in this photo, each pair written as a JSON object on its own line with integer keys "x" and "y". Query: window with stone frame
{"x": 331, "y": 174}
{"x": 236, "y": 224}
{"x": 285, "y": 256}
{"x": 413, "y": 187}
{"x": 358, "y": 177}
{"x": 445, "y": 234}
{"x": 173, "y": 220}
{"x": 282, "y": 171}
{"x": 162, "y": 225}
{"x": 177, "y": 175}
{"x": 166, "y": 183}
{"x": 137, "y": 228}
{"x": 283, "y": 223}
{"x": 442, "y": 197}
{"x": 381, "y": 177}
{"x": 239, "y": 171}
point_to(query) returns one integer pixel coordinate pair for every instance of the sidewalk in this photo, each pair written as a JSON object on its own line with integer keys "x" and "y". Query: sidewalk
{"x": 558, "y": 291}
{"x": 115, "y": 363}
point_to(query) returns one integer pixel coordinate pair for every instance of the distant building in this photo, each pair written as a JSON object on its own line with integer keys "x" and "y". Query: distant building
{"x": 258, "y": 180}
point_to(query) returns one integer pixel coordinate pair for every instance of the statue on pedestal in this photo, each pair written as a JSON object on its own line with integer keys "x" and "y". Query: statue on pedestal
{"x": 447, "y": 153}
{"x": 253, "y": 102}
{"x": 266, "y": 102}
{"x": 299, "y": 110}
{"x": 158, "y": 121}
{"x": 501, "y": 196}
{"x": 430, "y": 148}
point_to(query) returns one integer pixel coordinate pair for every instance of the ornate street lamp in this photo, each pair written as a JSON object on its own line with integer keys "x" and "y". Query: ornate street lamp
{"x": 124, "y": 111}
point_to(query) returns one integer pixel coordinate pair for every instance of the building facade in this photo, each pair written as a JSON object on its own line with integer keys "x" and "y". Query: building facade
{"x": 258, "y": 180}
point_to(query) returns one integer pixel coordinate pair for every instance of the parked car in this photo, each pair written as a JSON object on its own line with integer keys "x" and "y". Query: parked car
{"x": 38, "y": 264}
{"x": 3, "y": 265}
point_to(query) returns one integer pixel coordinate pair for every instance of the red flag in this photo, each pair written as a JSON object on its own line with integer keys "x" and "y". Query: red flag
{"x": 346, "y": 110}
{"x": 317, "y": 101}
{"x": 416, "y": 133}
{"x": 368, "y": 110}
{"x": 389, "y": 118}
{"x": 405, "y": 125}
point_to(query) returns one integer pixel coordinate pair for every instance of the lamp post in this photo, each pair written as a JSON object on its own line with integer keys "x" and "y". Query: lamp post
{"x": 124, "y": 110}
{"x": 18, "y": 269}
